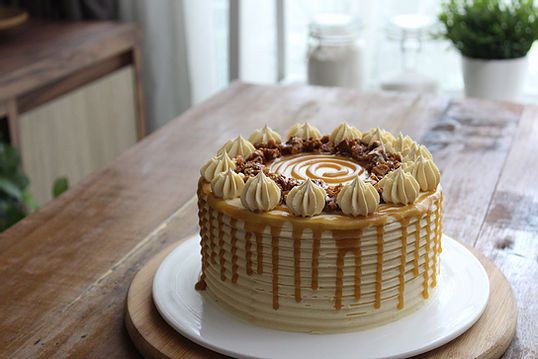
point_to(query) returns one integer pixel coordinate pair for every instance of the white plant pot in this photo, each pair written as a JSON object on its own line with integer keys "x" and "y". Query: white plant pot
{"x": 494, "y": 79}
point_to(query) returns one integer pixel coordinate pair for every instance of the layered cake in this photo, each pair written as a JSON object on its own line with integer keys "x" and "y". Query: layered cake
{"x": 320, "y": 233}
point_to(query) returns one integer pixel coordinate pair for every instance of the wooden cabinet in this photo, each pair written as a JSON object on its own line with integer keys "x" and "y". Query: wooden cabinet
{"x": 78, "y": 132}
{"x": 71, "y": 97}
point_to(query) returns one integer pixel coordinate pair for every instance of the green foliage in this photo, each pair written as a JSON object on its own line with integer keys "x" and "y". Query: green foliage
{"x": 490, "y": 29}
{"x": 61, "y": 184}
{"x": 15, "y": 200}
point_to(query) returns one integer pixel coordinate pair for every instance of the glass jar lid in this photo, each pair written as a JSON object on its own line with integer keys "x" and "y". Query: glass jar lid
{"x": 415, "y": 26}
{"x": 335, "y": 26}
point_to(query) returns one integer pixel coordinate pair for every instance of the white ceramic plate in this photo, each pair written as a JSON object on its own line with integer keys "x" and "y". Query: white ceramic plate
{"x": 461, "y": 298}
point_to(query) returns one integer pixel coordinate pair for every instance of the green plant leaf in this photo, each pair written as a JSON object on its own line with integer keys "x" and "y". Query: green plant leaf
{"x": 490, "y": 29}
{"x": 61, "y": 184}
{"x": 9, "y": 159}
{"x": 11, "y": 189}
{"x": 29, "y": 201}
{"x": 15, "y": 201}
{"x": 10, "y": 213}
{"x": 20, "y": 179}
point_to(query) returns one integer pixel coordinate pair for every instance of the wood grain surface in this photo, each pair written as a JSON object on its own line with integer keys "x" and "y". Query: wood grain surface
{"x": 40, "y": 52}
{"x": 487, "y": 339}
{"x": 43, "y": 60}
{"x": 66, "y": 269}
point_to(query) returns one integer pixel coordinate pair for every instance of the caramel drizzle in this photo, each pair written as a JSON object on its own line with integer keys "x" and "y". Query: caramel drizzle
{"x": 248, "y": 252}
{"x": 275, "y": 233}
{"x": 339, "y": 280}
{"x": 329, "y": 168}
{"x": 379, "y": 267}
{"x": 436, "y": 244}
{"x": 296, "y": 235}
{"x": 201, "y": 284}
{"x": 434, "y": 258}
{"x": 233, "y": 223}
{"x": 346, "y": 241}
{"x": 422, "y": 203}
{"x": 220, "y": 236}
{"x": 417, "y": 244}
{"x": 316, "y": 237}
{"x": 257, "y": 229}
{"x": 358, "y": 269}
{"x": 439, "y": 218}
{"x": 404, "y": 223}
{"x": 212, "y": 243}
{"x": 259, "y": 252}
{"x": 427, "y": 255}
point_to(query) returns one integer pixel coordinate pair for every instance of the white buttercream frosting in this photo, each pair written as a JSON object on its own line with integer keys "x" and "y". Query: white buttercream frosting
{"x": 304, "y": 131}
{"x": 264, "y": 135}
{"x": 307, "y": 199}
{"x": 407, "y": 166}
{"x": 216, "y": 165}
{"x": 404, "y": 145}
{"x": 418, "y": 151}
{"x": 400, "y": 187}
{"x": 426, "y": 173}
{"x": 379, "y": 135}
{"x": 344, "y": 132}
{"x": 238, "y": 147}
{"x": 227, "y": 185}
{"x": 358, "y": 198}
{"x": 260, "y": 194}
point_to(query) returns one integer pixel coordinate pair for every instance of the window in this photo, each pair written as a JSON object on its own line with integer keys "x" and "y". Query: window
{"x": 258, "y": 50}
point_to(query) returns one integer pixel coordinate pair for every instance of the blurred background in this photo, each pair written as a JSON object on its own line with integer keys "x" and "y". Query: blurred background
{"x": 208, "y": 43}
{"x": 83, "y": 80}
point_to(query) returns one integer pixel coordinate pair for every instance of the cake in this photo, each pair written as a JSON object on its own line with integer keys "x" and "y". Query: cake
{"x": 320, "y": 234}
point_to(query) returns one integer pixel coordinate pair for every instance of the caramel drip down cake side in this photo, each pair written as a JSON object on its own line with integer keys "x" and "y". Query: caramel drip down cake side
{"x": 300, "y": 276}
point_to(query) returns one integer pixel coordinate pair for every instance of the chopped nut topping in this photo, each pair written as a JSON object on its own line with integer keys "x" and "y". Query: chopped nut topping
{"x": 373, "y": 158}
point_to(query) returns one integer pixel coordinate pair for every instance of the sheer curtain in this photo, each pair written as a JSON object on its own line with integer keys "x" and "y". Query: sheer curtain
{"x": 180, "y": 64}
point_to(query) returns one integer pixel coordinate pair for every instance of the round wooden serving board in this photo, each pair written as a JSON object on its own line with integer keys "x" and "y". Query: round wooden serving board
{"x": 488, "y": 338}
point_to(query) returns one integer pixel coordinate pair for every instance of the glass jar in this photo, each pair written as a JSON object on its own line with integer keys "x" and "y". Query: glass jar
{"x": 410, "y": 30}
{"x": 335, "y": 51}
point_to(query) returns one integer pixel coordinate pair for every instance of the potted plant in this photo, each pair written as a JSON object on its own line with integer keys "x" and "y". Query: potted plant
{"x": 16, "y": 202}
{"x": 494, "y": 37}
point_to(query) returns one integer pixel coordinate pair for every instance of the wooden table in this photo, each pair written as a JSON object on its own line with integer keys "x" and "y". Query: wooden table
{"x": 65, "y": 270}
